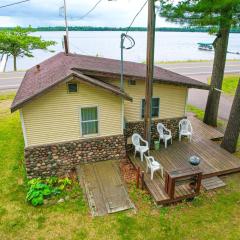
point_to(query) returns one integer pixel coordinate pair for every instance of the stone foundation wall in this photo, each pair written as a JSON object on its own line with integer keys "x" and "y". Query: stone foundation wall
{"x": 58, "y": 159}
{"x": 138, "y": 127}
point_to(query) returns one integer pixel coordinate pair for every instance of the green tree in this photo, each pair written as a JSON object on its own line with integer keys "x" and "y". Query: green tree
{"x": 19, "y": 43}
{"x": 219, "y": 16}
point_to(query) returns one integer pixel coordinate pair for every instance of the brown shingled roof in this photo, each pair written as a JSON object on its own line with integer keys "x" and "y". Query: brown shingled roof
{"x": 59, "y": 68}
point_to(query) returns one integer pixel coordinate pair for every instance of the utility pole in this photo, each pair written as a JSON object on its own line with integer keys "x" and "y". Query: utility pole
{"x": 66, "y": 23}
{"x": 150, "y": 70}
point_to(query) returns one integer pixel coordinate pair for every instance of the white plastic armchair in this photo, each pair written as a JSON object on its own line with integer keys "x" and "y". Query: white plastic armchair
{"x": 185, "y": 129}
{"x": 136, "y": 140}
{"x": 164, "y": 134}
{"x": 153, "y": 165}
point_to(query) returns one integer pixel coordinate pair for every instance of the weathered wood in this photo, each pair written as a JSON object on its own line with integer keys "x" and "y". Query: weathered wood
{"x": 150, "y": 69}
{"x": 66, "y": 45}
{"x": 105, "y": 192}
{"x": 212, "y": 183}
{"x": 204, "y": 131}
{"x": 142, "y": 180}
{"x": 215, "y": 161}
{"x": 138, "y": 177}
{"x": 189, "y": 175}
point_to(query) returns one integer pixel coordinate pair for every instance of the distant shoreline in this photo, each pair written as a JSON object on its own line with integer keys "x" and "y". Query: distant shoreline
{"x": 122, "y": 29}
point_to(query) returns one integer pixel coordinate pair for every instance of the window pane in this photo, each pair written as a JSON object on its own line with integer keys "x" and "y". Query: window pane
{"x": 89, "y": 114}
{"x": 155, "y": 107}
{"x": 72, "y": 87}
{"x": 89, "y": 128}
{"x": 143, "y": 107}
{"x": 155, "y": 112}
{"x": 155, "y": 102}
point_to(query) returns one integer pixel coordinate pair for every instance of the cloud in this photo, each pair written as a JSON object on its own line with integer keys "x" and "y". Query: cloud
{"x": 46, "y": 13}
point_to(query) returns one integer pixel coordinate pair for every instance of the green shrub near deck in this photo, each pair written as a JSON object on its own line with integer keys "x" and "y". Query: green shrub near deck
{"x": 210, "y": 216}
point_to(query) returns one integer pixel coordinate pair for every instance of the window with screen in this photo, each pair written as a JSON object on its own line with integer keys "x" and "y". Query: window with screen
{"x": 89, "y": 120}
{"x": 155, "y": 107}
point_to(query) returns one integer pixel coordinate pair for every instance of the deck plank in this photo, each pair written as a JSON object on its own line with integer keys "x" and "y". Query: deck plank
{"x": 213, "y": 183}
{"x": 215, "y": 161}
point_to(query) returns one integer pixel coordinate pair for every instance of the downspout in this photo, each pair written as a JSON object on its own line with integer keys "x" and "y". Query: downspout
{"x": 122, "y": 80}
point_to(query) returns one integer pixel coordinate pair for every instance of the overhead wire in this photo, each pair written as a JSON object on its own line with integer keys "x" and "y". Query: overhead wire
{"x": 126, "y": 36}
{"x": 128, "y": 29}
{"x": 15, "y": 3}
{"x": 87, "y": 13}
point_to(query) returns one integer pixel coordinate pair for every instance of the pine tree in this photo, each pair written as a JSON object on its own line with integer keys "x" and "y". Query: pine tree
{"x": 232, "y": 132}
{"x": 219, "y": 16}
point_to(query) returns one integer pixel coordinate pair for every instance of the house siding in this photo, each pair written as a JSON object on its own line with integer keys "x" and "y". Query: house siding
{"x": 55, "y": 116}
{"x": 172, "y": 100}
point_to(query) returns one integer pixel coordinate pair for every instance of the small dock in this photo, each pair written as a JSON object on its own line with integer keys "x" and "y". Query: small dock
{"x": 215, "y": 161}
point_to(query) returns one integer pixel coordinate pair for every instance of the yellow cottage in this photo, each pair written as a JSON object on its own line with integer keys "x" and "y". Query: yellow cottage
{"x": 72, "y": 109}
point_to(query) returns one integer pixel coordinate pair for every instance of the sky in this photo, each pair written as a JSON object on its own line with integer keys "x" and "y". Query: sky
{"x": 114, "y": 13}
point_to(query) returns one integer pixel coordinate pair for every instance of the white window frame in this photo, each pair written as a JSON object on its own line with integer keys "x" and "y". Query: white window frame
{"x": 81, "y": 121}
{"x": 142, "y": 107}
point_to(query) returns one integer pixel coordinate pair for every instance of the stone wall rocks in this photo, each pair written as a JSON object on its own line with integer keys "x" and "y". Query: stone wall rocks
{"x": 58, "y": 159}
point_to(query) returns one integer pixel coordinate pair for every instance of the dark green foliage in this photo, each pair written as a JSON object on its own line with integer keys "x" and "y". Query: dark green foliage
{"x": 40, "y": 189}
{"x": 219, "y": 16}
{"x": 202, "y": 13}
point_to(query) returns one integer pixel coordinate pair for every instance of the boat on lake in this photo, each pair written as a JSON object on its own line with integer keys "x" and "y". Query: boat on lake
{"x": 205, "y": 46}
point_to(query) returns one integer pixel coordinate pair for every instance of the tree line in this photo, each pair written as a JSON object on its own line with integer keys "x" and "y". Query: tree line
{"x": 123, "y": 29}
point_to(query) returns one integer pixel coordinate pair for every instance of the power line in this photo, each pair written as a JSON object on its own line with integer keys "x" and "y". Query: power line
{"x": 92, "y": 9}
{"x": 136, "y": 16}
{"x": 11, "y": 4}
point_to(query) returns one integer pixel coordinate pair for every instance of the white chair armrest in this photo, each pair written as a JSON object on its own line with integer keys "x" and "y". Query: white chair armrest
{"x": 144, "y": 141}
{"x": 168, "y": 131}
{"x": 151, "y": 158}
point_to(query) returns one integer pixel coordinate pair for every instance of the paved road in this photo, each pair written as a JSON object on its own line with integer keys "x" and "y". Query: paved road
{"x": 201, "y": 71}
{"x": 10, "y": 80}
{"x": 200, "y": 68}
{"x": 197, "y": 70}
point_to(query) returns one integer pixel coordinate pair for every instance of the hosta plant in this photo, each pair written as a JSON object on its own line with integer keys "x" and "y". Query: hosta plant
{"x": 40, "y": 189}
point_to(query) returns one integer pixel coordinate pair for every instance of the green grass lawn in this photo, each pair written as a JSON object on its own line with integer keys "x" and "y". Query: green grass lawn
{"x": 200, "y": 114}
{"x": 210, "y": 216}
{"x": 229, "y": 84}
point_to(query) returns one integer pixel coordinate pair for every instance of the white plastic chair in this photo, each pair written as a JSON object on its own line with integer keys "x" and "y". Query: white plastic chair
{"x": 185, "y": 129}
{"x": 164, "y": 134}
{"x": 136, "y": 140}
{"x": 153, "y": 165}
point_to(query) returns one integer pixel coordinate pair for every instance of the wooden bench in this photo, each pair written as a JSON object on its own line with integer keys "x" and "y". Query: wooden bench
{"x": 191, "y": 176}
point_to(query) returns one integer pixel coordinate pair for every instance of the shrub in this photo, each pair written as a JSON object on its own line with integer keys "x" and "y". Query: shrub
{"x": 40, "y": 189}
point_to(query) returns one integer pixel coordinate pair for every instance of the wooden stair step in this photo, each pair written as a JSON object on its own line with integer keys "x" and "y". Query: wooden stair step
{"x": 212, "y": 183}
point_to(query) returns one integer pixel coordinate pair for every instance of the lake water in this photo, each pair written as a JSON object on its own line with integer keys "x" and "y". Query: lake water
{"x": 170, "y": 46}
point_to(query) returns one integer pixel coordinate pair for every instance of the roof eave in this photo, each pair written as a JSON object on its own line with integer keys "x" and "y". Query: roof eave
{"x": 71, "y": 75}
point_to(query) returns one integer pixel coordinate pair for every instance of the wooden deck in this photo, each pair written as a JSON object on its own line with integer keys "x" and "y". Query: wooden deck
{"x": 215, "y": 161}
